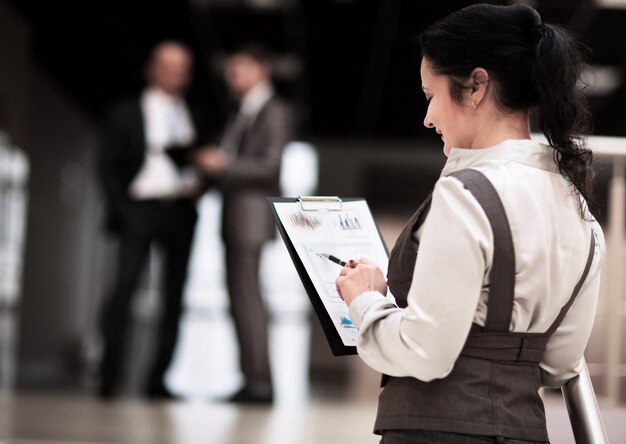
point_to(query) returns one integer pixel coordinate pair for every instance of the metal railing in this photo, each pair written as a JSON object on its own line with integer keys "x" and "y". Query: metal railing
{"x": 583, "y": 410}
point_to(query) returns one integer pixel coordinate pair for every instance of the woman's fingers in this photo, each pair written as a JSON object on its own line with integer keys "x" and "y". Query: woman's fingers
{"x": 355, "y": 278}
{"x": 339, "y": 289}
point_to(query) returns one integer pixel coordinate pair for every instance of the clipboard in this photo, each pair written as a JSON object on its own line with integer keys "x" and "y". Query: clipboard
{"x": 332, "y": 207}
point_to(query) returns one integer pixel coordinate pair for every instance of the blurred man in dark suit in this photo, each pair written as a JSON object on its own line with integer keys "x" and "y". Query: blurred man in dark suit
{"x": 150, "y": 199}
{"x": 246, "y": 168}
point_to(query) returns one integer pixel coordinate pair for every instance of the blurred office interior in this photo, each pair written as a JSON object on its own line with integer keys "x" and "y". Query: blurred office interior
{"x": 352, "y": 70}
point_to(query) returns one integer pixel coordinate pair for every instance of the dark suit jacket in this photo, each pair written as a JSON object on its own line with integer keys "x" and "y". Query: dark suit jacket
{"x": 123, "y": 150}
{"x": 254, "y": 175}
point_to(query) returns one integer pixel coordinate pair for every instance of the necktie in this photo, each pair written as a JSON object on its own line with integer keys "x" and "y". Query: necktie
{"x": 234, "y": 134}
{"x": 173, "y": 124}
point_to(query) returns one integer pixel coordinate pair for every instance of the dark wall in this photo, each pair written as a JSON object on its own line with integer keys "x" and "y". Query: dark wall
{"x": 359, "y": 66}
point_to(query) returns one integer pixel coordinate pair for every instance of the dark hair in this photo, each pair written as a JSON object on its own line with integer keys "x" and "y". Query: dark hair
{"x": 535, "y": 66}
{"x": 256, "y": 51}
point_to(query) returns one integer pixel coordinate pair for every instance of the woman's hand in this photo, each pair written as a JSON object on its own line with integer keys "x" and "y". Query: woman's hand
{"x": 356, "y": 279}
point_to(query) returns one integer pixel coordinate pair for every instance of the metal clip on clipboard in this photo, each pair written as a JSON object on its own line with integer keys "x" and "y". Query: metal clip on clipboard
{"x": 320, "y": 203}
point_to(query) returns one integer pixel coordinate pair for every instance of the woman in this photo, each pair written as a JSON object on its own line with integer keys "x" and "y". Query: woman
{"x": 501, "y": 296}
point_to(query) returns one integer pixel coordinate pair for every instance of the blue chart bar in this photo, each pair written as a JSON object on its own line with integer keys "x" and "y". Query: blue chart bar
{"x": 347, "y": 222}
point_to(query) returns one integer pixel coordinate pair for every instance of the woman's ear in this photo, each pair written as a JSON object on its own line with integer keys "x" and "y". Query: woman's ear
{"x": 479, "y": 81}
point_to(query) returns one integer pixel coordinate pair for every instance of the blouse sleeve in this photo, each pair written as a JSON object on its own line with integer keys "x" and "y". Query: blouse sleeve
{"x": 424, "y": 340}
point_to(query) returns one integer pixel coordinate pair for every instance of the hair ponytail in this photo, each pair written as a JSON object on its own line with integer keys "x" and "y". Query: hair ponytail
{"x": 563, "y": 115}
{"x": 535, "y": 67}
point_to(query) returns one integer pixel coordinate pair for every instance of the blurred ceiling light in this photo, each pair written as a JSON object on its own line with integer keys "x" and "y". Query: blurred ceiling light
{"x": 602, "y": 80}
{"x": 253, "y": 4}
{"x": 269, "y": 4}
{"x": 614, "y": 4}
{"x": 531, "y": 3}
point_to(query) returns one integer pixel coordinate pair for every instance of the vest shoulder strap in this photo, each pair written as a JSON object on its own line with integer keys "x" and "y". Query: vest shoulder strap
{"x": 502, "y": 273}
{"x": 581, "y": 281}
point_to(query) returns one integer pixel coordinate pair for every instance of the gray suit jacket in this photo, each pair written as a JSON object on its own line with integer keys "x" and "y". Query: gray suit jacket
{"x": 247, "y": 219}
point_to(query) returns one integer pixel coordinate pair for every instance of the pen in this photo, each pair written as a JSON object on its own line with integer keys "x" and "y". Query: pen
{"x": 334, "y": 259}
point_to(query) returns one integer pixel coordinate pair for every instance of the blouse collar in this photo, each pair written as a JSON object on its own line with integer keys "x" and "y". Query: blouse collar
{"x": 528, "y": 152}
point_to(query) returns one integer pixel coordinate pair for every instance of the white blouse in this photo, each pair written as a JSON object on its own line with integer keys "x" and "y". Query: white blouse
{"x": 449, "y": 290}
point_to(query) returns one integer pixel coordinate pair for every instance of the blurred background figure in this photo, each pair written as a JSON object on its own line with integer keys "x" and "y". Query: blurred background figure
{"x": 246, "y": 167}
{"x": 149, "y": 199}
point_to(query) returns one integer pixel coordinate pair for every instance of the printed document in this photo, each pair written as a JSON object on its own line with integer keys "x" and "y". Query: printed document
{"x": 346, "y": 233}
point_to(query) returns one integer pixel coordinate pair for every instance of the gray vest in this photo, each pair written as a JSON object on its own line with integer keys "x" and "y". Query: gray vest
{"x": 493, "y": 387}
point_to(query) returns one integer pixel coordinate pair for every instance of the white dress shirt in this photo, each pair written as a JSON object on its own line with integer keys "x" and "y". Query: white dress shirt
{"x": 166, "y": 122}
{"x": 255, "y": 99}
{"x": 449, "y": 289}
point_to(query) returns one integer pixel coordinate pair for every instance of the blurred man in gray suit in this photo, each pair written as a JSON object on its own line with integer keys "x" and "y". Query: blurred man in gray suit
{"x": 246, "y": 168}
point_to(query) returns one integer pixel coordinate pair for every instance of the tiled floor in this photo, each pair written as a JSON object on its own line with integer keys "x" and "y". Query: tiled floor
{"x": 79, "y": 419}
